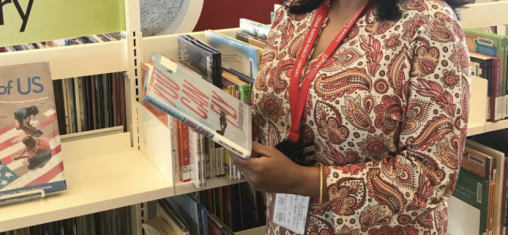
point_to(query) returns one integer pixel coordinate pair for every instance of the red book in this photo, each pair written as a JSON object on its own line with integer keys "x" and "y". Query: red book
{"x": 183, "y": 155}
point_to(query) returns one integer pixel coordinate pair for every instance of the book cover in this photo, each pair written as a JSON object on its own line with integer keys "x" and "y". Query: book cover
{"x": 30, "y": 150}
{"x": 253, "y": 28}
{"x": 202, "y": 106}
{"x": 235, "y": 54}
{"x": 474, "y": 191}
{"x": 199, "y": 57}
{"x": 477, "y": 163}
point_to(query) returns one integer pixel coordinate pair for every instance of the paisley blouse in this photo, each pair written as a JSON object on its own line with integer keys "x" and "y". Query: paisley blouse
{"x": 387, "y": 113}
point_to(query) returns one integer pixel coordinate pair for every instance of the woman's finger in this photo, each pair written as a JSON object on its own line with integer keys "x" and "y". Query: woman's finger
{"x": 260, "y": 150}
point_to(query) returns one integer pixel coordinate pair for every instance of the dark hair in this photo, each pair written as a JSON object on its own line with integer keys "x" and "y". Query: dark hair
{"x": 32, "y": 110}
{"x": 387, "y": 9}
{"x": 29, "y": 142}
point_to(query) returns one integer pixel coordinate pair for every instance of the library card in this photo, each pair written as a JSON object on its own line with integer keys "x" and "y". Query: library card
{"x": 290, "y": 211}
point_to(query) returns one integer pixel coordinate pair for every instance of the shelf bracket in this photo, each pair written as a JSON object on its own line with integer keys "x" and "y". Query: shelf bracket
{"x": 24, "y": 194}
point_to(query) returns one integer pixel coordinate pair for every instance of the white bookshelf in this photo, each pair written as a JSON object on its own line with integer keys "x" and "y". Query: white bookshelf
{"x": 108, "y": 168}
{"x": 102, "y": 173}
{"x": 254, "y": 231}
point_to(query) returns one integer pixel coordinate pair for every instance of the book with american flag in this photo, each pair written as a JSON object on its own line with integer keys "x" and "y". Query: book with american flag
{"x": 30, "y": 151}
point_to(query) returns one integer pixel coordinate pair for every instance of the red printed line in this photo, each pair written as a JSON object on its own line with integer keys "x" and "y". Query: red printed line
{"x": 48, "y": 175}
{"x": 7, "y": 160}
{"x": 7, "y": 128}
{"x": 16, "y": 139}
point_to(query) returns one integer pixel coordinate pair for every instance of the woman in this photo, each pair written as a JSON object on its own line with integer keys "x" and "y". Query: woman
{"x": 386, "y": 112}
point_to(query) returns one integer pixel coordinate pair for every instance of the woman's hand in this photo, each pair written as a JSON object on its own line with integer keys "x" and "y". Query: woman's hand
{"x": 269, "y": 170}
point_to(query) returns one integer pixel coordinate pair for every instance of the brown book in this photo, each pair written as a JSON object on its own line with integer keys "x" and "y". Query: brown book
{"x": 250, "y": 39}
{"x": 478, "y": 163}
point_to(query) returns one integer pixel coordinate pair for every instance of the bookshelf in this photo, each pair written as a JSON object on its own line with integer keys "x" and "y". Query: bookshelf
{"x": 109, "y": 168}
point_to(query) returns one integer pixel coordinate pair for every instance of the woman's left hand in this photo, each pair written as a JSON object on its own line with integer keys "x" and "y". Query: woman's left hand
{"x": 269, "y": 170}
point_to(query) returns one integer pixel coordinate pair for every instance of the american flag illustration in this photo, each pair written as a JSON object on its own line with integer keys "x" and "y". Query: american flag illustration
{"x": 15, "y": 174}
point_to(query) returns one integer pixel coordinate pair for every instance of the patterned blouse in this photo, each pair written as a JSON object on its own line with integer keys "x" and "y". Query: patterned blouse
{"x": 387, "y": 113}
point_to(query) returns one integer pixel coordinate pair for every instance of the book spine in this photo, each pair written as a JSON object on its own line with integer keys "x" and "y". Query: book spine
{"x": 494, "y": 92}
{"x": 209, "y": 133}
{"x": 211, "y": 160}
{"x": 183, "y": 160}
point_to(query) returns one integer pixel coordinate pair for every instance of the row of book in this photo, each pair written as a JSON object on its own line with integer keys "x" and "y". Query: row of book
{"x": 231, "y": 210}
{"x": 227, "y": 64}
{"x": 489, "y": 60}
{"x": 112, "y": 222}
{"x": 99, "y": 38}
{"x": 481, "y": 192}
{"x": 90, "y": 102}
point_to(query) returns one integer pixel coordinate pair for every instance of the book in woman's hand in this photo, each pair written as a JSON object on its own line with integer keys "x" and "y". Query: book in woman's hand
{"x": 202, "y": 106}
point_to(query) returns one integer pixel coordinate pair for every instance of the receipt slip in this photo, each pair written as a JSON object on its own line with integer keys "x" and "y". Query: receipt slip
{"x": 290, "y": 211}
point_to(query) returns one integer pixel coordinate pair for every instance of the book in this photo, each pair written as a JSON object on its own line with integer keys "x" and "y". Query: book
{"x": 244, "y": 88}
{"x": 157, "y": 226}
{"x": 166, "y": 211}
{"x": 188, "y": 209}
{"x": 207, "y": 109}
{"x": 184, "y": 152}
{"x": 250, "y": 39}
{"x": 235, "y": 54}
{"x": 474, "y": 191}
{"x": 481, "y": 66}
{"x": 200, "y": 57}
{"x": 255, "y": 29}
{"x": 31, "y": 156}
{"x": 496, "y": 46}
{"x": 489, "y": 67}
{"x": 478, "y": 163}
{"x": 494, "y": 144}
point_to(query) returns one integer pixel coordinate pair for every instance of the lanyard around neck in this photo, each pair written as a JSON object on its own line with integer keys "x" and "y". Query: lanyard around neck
{"x": 297, "y": 95}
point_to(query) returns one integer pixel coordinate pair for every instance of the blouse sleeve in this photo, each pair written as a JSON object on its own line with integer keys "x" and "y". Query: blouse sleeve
{"x": 433, "y": 90}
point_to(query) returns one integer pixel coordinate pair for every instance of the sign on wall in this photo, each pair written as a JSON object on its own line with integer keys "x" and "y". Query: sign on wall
{"x": 25, "y": 21}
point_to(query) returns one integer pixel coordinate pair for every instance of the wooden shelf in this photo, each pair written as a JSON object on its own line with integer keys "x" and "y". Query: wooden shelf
{"x": 95, "y": 183}
{"x": 188, "y": 187}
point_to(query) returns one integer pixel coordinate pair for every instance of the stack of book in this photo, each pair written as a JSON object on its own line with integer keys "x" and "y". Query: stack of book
{"x": 90, "y": 103}
{"x": 99, "y": 38}
{"x": 195, "y": 214}
{"x": 219, "y": 67}
{"x": 480, "y": 192}
{"x": 488, "y": 54}
{"x": 112, "y": 222}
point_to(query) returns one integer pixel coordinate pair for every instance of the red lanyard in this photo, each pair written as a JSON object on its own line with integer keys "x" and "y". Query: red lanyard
{"x": 298, "y": 96}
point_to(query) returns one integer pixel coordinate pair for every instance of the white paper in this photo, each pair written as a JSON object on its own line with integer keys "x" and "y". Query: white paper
{"x": 290, "y": 212}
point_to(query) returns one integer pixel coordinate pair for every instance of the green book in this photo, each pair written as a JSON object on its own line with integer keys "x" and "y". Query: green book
{"x": 492, "y": 45}
{"x": 474, "y": 191}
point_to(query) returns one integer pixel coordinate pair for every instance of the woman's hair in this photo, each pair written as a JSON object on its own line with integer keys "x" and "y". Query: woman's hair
{"x": 33, "y": 110}
{"x": 29, "y": 142}
{"x": 387, "y": 9}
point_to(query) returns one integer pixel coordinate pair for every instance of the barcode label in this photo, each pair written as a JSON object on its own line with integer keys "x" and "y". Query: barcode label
{"x": 476, "y": 159}
{"x": 479, "y": 192}
{"x": 485, "y": 41}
